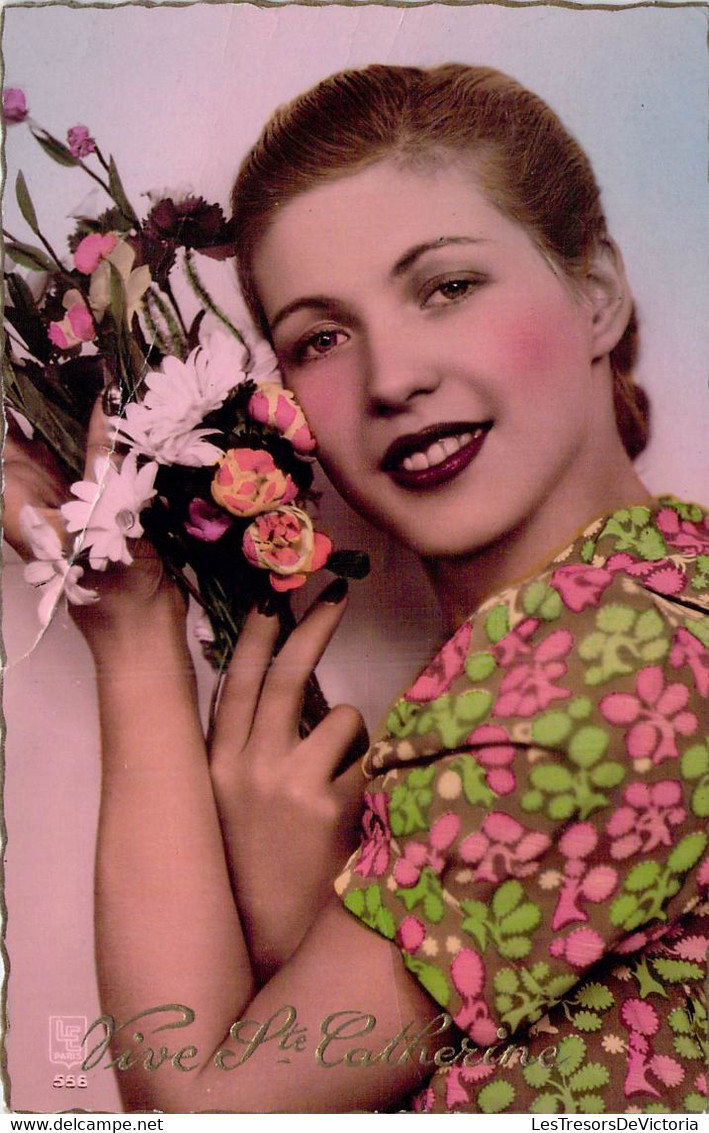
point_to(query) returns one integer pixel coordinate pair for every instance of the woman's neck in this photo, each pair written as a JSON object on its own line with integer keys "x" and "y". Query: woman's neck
{"x": 463, "y": 583}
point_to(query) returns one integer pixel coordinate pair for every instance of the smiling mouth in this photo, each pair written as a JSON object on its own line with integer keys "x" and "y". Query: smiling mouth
{"x": 436, "y": 455}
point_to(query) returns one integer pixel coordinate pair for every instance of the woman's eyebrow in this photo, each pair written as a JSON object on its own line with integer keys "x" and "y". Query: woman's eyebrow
{"x": 409, "y": 258}
{"x": 319, "y": 302}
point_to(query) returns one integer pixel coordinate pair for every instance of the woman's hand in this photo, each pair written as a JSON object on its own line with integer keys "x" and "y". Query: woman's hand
{"x": 129, "y": 597}
{"x": 289, "y": 807}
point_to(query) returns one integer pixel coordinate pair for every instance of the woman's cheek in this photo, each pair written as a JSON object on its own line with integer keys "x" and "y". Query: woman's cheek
{"x": 543, "y": 344}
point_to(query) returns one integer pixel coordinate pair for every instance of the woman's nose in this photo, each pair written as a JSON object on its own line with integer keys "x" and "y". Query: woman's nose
{"x": 398, "y": 370}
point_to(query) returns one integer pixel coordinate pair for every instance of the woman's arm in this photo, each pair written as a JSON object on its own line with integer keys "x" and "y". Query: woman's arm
{"x": 167, "y": 928}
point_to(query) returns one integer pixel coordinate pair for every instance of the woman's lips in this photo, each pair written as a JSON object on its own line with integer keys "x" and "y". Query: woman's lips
{"x": 434, "y": 456}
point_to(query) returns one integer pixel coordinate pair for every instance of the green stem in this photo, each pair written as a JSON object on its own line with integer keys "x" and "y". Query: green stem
{"x": 177, "y": 339}
{"x": 167, "y": 288}
{"x": 206, "y": 299}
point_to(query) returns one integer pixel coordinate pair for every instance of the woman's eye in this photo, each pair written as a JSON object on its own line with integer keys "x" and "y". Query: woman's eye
{"x": 318, "y": 344}
{"x": 444, "y": 292}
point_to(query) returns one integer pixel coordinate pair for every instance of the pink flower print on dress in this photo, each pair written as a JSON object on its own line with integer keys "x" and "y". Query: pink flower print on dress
{"x": 663, "y": 576}
{"x": 643, "y": 1023}
{"x": 528, "y": 688}
{"x": 581, "y": 882}
{"x": 688, "y": 650}
{"x": 516, "y": 644}
{"x": 468, "y": 975}
{"x": 580, "y": 949}
{"x": 417, "y": 855}
{"x": 376, "y": 835}
{"x": 692, "y": 948}
{"x": 411, "y": 934}
{"x": 700, "y": 1084}
{"x": 683, "y": 533}
{"x": 503, "y": 848}
{"x": 457, "y": 1078}
{"x": 446, "y": 666}
{"x": 581, "y": 586}
{"x": 654, "y": 717}
{"x": 496, "y": 756}
{"x": 645, "y": 822}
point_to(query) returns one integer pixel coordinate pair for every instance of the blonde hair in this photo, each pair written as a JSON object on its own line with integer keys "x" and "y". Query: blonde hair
{"x": 526, "y": 162}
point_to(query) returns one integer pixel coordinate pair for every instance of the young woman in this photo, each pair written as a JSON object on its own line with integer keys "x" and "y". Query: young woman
{"x": 427, "y": 252}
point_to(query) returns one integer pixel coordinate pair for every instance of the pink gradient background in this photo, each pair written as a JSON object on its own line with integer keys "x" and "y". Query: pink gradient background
{"x": 177, "y": 95}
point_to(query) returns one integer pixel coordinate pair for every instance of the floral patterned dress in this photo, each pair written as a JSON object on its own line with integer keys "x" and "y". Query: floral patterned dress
{"x": 535, "y": 831}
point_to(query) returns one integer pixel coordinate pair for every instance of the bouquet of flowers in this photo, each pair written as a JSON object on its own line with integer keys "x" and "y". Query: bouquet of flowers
{"x": 214, "y": 462}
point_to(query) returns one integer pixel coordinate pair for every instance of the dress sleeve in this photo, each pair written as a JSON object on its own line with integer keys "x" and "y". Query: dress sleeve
{"x": 565, "y": 829}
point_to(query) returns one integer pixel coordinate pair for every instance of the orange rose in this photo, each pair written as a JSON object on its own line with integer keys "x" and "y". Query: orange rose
{"x": 284, "y": 542}
{"x": 248, "y": 482}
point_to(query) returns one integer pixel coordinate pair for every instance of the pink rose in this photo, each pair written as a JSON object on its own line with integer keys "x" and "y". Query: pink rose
{"x": 284, "y": 542}
{"x": 79, "y": 141}
{"x": 272, "y": 405}
{"x": 76, "y": 327}
{"x": 248, "y": 482}
{"x": 92, "y": 249}
{"x": 14, "y": 105}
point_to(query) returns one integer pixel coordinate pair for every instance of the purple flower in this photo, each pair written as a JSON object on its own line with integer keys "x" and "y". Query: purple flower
{"x": 79, "y": 141}
{"x": 206, "y": 522}
{"x": 14, "y": 105}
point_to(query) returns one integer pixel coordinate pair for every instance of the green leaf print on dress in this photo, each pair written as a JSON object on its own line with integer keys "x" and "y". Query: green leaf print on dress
{"x": 623, "y": 641}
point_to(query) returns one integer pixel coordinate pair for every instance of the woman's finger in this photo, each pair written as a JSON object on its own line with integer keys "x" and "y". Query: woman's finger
{"x": 337, "y": 743}
{"x": 242, "y": 685}
{"x": 283, "y": 690}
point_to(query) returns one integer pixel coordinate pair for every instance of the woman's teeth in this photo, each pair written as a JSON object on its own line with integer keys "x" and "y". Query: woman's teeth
{"x": 437, "y": 452}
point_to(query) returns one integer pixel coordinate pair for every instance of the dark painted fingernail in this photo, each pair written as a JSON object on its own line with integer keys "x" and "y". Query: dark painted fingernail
{"x": 333, "y": 594}
{"x": 268, "y": 606}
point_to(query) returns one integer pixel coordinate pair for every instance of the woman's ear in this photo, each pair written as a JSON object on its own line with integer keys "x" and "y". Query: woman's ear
{"x": 610, "y": 298}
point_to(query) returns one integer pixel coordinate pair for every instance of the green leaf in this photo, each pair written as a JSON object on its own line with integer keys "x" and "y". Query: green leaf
{"x": 596, "y": 996}
{"x": 590, "y": 1077}
{"x": 559, "y": 986}
{"x": 607, "y": 774}
{"x": 27, "y": 256}
{"x": 431, "y": 978}
{"x": 506, "y": 897}
{"x": 514, "y": 947}
{"x": 536, "y": 1075}
{"x": 118, "y": 192}
{"x": 58, "y": 152}
{"x": 679, "y": 1021}
{"x": 687, "y": 1047}
{"x": 642, "y": 876}
{"x": 349, "y": 564}
{"x": 545, "y": 1103}
{"x": 506, "y": 980}
{"x": 570, "y": 1055}
{"x": 551, "y": 729}
{"x": 480, "y": 666}
{"x": 25, "y": 202}
{"x": 385, "y": 924}
{"x": 700, "y": 801}
{"x": 677, "y": 971}
{"x": 591, "y": 1103}
{"x": 354, "y": 901}
{"x": 689, "y": 851}
{"x": 495, "y": 1097}
{"x": 587, "y": 1021}
{"x": 623, "y": 908}
{"x": 695, "y": 761}
{"x": 551, "y": 777}
{"x": 695, "y": 1103}
{"x": 497, "y": 624}
{"x": 523, "y": 919}
{"x": 588, "y": 745}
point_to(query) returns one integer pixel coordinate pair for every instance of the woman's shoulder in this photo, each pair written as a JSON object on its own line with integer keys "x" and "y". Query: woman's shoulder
{"x": 622, "y": 610}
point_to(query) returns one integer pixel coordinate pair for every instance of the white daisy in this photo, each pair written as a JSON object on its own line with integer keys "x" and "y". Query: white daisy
{"x": 51, "y": 571}
{"x": 107, "y": 509}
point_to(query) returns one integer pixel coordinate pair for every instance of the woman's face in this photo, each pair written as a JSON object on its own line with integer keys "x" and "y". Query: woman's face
{"x": 442, "y": 363}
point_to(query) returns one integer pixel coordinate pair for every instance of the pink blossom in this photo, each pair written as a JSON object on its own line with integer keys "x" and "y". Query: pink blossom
{"x": 14, "y": 105}
{"x": 700, "y": 1083}
{"x": 496, "y": 755}
{"x": 580, "y": 586}
{"x": 284, "y": 542}
{"x": 456, "y": 1093}
{"x": 683, "y": 533}
{"x": 693, "y": 948}
{"x": 418, "y": 855}
{"x": 206, "y": 522}
{"x": 655, "y": 716}
{"x": 79, "y": 142}
{"x": 468, "y": 975}
{"x": 248, "y": 482}
{"x": 667, "y": 1069}
{"x": 640, "y": 1016}
{"x": 272, "y": 405}
{"x": 645, "y": 822}
{"x": 411, "y": 934}
{"x": 445, "y": 667}
{"x": 92, "y": 249}
{"x": 528, "y": 686}
{"x": 581, "y": 882}
{"x": 580, "y": 949}
{"x": 688, "y": 650}
{"x": 703, "y": 875}
{"x": 76, "y": 327}
{"x": 663, "y": 576}
{"x": 503, "y": 848}
{"x": 376, "y": 835}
